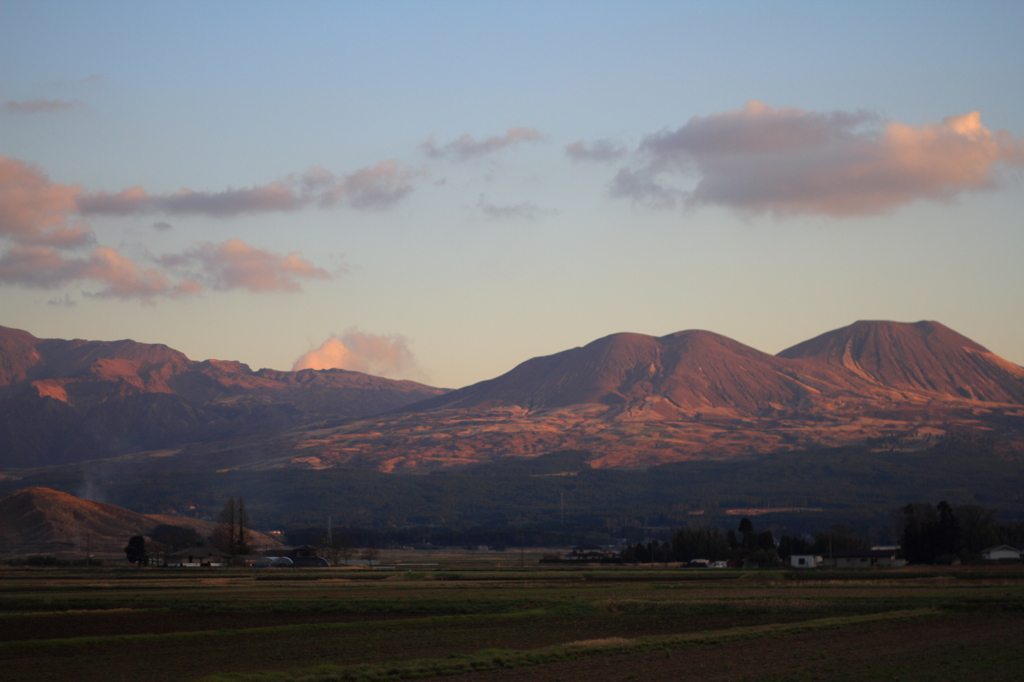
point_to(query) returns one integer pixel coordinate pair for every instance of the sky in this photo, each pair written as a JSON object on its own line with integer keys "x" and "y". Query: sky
{"x": 439, "y": 191}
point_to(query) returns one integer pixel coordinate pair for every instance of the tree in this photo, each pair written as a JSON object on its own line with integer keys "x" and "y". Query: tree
{"x": 136, "y": 550}
{"x": 232, "y": 535}
{"x": 699, "y": 543}
{"x": 788, "y": 546}
{"x": 839, "y": 538}
{"x": 746, "y": 529}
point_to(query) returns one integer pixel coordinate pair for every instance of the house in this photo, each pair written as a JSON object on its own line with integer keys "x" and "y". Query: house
{"x": 863, "y": 558}
{"x": 1001, "y": 553}
{"x": 804, "y": 560}
{"x": 200, "y": 555}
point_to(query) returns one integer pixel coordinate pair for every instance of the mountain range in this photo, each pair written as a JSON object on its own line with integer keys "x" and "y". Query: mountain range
{"x": 69, "y": 401}
{"x": 630, "y": 400}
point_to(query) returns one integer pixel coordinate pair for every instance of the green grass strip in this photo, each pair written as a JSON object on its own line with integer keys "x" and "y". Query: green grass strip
{"x": 495, "y": 659}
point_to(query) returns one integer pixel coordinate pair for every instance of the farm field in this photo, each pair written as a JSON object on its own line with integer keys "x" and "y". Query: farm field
{"x": 483, "y": 622}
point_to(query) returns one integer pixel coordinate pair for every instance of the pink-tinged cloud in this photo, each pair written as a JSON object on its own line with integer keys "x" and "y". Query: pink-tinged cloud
{"x": 45, "y": 267}
{"x": 237, "y": 265}
{"x": 788, "y": 161}
{"x": 599, "y": 151}
{"x": 467, "y": 147}
{"x": 34, "y": 219}
{"x": 34, "y": 211}
{"x": 380, "y": 355}
{"x": 39, "y": 106}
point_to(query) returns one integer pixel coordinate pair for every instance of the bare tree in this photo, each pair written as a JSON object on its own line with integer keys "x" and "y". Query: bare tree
{"x": 338, "y": 549}
{"x": 232, "y": 535}
{"x": 242, "y": 528}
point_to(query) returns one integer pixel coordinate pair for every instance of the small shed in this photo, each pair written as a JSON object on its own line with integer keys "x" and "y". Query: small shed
{"x": 1001, "y": 553}
{"x": 804, "y": 560}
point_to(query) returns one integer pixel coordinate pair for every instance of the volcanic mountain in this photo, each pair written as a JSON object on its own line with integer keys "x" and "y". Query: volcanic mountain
{"x": 926, "y": 358}
{"x": 628, "y": 399}
{"x": 66, "y": 401}
{"x": 41, "y": 520}
{"x": 635, "y": 400}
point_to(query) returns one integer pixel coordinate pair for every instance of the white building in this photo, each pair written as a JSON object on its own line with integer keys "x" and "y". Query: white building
{"x": 1001, "y": 553}
{"x": 804, "y": 560}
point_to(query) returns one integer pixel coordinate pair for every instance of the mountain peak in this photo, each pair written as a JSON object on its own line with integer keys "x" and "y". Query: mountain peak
{"x": 920, "y": 356}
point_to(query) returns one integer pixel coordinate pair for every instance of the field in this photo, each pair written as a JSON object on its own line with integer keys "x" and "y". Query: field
{"x": 509, "y": 618}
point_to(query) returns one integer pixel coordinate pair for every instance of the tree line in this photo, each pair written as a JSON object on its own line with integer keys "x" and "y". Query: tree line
{"x": 945, "y": 533}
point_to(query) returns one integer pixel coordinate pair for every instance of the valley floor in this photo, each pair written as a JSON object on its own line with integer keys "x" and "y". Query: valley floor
{"x": 484, "y": 623}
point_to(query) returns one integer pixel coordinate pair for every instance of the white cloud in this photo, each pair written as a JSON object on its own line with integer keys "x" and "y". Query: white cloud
{"x": 380, "y": 355}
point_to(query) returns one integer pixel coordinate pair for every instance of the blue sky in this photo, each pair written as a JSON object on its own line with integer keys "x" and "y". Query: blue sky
{"x": 441, "y": 190}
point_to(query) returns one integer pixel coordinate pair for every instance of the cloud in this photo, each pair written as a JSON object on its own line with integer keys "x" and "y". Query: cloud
{"x": 34, "y": 219}
{"x": 237, "y": 265}
{"x": 642, "y": 186}
{"x": 220, "y": 267}
{"x": 34, "y": 211}
{"x": 367, "y": 188}
{"x": 225, "y": 204}
{"x": 788, "y": 161}
{"x": 524, "y": 211}
{"x": 601, "y": 151}
{"x": 380, "y": 355}
{"x": 162, "y": 225}
{"x": 466, "y": 147}
{"x": 39, "y": 106}
{"x": 373, "y": 187}
{"x": 66, "y": 302}
{"x": 44, "y": 267}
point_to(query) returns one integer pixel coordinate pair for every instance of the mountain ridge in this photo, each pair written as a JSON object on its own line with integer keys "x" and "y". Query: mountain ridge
{"x": 72, "y": 400}
{"x": 631, "y": 399}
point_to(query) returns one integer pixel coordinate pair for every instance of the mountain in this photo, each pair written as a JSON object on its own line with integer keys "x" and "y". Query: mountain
{"x": 40, "y": 520}
{"x": 636, "y": 401}
{"x": 924, "y": 357}
{"x": 637, "y": 376}
{"x": 67, "y": 401}
{"x": 630, "y": 400}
